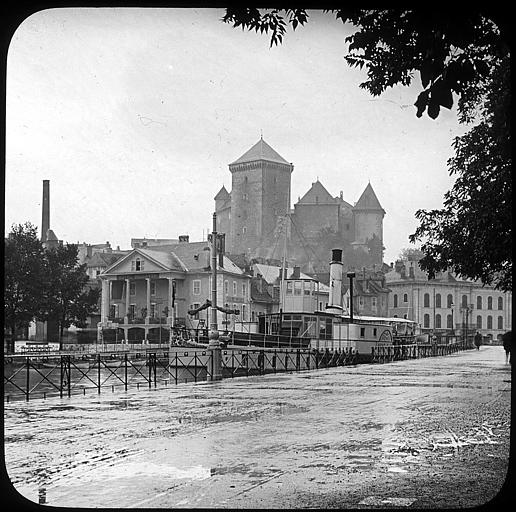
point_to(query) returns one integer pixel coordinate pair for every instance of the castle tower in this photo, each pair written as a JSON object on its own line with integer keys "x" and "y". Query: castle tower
{"x": 368, "y": 219}
{"x": 260, "y": 194}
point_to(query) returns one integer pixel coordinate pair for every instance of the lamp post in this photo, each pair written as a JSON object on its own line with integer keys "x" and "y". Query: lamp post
{"x": 351, "y": 276}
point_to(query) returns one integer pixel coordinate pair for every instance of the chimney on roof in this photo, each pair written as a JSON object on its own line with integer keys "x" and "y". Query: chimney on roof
{"x": 45, "y": 210}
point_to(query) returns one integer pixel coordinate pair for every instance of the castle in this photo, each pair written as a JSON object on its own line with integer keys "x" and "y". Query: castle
{"x": 257, "y": 218}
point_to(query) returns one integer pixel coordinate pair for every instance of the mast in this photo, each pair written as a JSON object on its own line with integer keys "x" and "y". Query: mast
{"x": 214, "y": 334}
{"x": 283, "y": 266}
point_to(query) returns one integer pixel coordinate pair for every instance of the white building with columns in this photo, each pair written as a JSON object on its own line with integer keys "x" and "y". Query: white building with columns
{"x": 150, "y": 290}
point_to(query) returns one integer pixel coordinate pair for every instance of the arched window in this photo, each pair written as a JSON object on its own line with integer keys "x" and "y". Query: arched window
{"x": 489, "y": 302}
{"x": 449, "y": 300}
{"x": 479, "y": 322}
{"x": 500, "y": 322}
{"x": 395, "y": 298}
{"x": 489, "y": 322}
{"x": 449, "y": 322}
{"x": 438, "y": 300}
{"x": 479, "y": 302}
{"x": 426, "y": 321}
{"x": 437, "y": 321}
{"x": 405, "y": 297}
{"x": 405, "y": 316}
{"x": 426, "y": 300}
{"x": 464, "y": 301}
{"x": 500, "y": 302}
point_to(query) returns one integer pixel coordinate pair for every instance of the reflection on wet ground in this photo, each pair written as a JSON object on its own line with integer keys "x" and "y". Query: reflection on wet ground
{"x": 261, "y": 442}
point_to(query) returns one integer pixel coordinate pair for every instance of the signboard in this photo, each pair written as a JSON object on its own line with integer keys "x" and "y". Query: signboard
{"x": 34, "y": 347}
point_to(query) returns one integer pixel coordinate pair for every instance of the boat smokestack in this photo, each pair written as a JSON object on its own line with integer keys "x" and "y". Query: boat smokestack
{"x": 335, "y": 298}
{"x": 45, "y": 210}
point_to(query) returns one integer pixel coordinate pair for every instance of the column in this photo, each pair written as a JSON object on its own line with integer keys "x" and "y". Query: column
{"x": 104, "y": 310}
{"x": 127, "y": 299}
{"x": 170, "y": 316}
{"x": 147, "y": 305}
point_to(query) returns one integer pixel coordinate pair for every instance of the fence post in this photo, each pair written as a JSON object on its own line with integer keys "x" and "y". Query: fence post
{"x": 125, "y": 371}
{"x": 69, "y": 375}
{"x": 216, "y": 361}
{"x": 98, "y": 373}
{"x": 27, "y": 379}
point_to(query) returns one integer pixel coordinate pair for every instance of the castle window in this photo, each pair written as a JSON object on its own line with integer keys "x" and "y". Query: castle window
{"x": 479, "y": 302}
{"x": 500, "y": 302}
{"x": 489, "y": 322}
{"x": 405, "y": 297}
{"x": 464, "y": 301}
{"x": 449, "y": 300}
{"x": 244, "y": 230}
{"x": 438, "y": 300}
{"x": 395, "y": 298}
{"x": 489, "y": 302}
{"x": 500, "y": 322}
{"x": 479, "y": 322}
{"x": 426, "y": 321}
{"x": 437, "y": 321}
{"x": 426, "y": 300}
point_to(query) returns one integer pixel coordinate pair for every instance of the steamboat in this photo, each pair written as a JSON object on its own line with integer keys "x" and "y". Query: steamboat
{"x": 334, "y": 329}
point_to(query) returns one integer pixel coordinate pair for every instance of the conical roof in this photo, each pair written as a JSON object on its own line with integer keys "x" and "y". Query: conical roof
{"x": 317, "y": 194}
{"x": 260, "y": 151}
{"x": 368, "y": 200}
{"x": 222, "y": 194}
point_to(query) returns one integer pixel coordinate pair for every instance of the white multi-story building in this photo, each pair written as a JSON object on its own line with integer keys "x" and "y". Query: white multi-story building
{"x": 448, "y": 302}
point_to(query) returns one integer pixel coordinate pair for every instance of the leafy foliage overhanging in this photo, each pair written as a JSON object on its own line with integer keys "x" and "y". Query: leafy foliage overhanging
{"x": 463, "y": 53}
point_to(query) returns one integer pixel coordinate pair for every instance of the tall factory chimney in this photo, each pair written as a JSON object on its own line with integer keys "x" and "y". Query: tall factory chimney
{"x": 45, "y": 220}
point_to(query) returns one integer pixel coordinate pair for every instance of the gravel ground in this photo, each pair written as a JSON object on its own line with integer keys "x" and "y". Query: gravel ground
{"x": 428, "y": 433}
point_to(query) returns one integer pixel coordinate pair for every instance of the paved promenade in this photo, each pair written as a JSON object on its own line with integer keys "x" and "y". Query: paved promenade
{"x": 427, "y": 433}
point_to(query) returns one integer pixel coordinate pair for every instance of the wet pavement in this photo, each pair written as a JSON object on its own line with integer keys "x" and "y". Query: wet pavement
{"x": 427, "y": 433}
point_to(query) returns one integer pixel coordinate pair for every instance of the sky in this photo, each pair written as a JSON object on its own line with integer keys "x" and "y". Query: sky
{"x": 134, "y": 114}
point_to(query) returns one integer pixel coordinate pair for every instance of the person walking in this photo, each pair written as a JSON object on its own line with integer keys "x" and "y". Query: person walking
{"x": 478, "y": 340}
{"x": 506, "y": 338}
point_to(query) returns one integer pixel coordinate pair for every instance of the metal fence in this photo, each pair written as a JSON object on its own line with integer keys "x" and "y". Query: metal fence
{"x": 40, "y": 375}
{"x": 390, "y": 353}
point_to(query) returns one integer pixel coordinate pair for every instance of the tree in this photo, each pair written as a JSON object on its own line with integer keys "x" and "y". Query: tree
{"x": 411, "y": 253}
{"x": 23, "y": 274}
{"x": 461, "y": 52}
{"x": 66, "y": 298}
{"x": 473, "y": 232}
